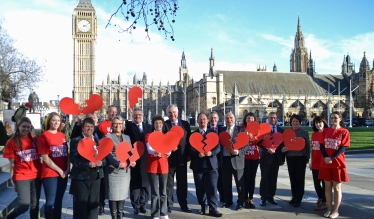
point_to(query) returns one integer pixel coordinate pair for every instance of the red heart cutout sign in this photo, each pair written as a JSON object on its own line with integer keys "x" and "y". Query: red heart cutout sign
{"x": 241, "y": 140}
{"x": 202, "y": 145}
{"x": 179, "y": 130}
{"x": 253, "y": 127}
{"x": 87, "y": 148}
{"x": 134, "y": 94}
{"x": 273, "y": 141}
{"x": 137, "y": 151}
{"x": 292, "y": 142}
{"x": 122, "y": 151}
{"x": 265, "y": 129}
{"x": 225, "y": 140}
{"x": 93, "y": 104}
{"x": 163, "y": 143}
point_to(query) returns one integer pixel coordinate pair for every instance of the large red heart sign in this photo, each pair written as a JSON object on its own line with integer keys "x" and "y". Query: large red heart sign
{"x": 87, "y": 148}
{"x": 134, "y": 94}
{"x": 253, "y": 127}
{"x": 202, "y": 145}
{"x": 122, "y": 151}
{"x": 265, "y": 129}
{"x": 241, "y": 140}
{"x": 273, "y": 141}
{"x": 179, "y": 130}
{"x": 163, "y": 143}
{"x": 137, "y": 151}
{"x": 93, "y": 104}
{"x": 225, "y": 140}
{"x": 292, "y": 142}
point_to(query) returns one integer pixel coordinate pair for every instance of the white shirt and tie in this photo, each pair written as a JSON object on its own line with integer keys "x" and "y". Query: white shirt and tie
{"x": 229, "y": 130}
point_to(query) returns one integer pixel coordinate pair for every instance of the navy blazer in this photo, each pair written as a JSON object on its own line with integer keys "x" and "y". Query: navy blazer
{"x": 237, "y": 161}
{"x": 195, "y": 159}
{"x": 266, "y": 158}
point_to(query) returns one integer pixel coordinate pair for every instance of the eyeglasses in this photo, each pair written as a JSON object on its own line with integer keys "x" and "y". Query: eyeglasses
{"x": 117, "y": 124}
{"x": 335, "y": 118}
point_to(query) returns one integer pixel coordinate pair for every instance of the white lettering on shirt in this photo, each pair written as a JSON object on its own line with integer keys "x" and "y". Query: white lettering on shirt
{"x": 333, "y": 143}
{"x": 28, "y": 155}
{"x": 59, "y": 151}
{"x": 251, "y": 149}
{"x": 315, "y": 145}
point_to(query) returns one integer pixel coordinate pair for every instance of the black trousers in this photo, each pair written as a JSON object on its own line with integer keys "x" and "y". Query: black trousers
{"x": 319, "y": 185}
{"x": 269, "y": 177}
{"x": 220, "y": 185}
{"x": 86, "y": 194}
{"x": 139, "y": 195}
{"x": 227, "y": 172}
{"x": 102, "y": 191}
{"x": 206, "y": 187}
{"x": 250, "y": 171}
{"x": 296, "y": 171}
{"x": 180, "y": 171}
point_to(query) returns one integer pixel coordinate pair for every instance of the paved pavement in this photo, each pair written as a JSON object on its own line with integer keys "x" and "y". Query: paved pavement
{"x": 357, "y": 202}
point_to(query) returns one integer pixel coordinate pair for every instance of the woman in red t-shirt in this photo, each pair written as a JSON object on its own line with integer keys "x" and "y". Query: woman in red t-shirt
{"x": 252, "y": 159}
{"x": 319, "y": 185}
{"x": 333, "y": 170}
{"x": 55, "y": 170}
{"x": 158, "y": 169}
{"x": 21, "y": 150}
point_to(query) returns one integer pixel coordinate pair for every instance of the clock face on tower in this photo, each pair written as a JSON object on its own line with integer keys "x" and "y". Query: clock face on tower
{"x": 84, "y": 25}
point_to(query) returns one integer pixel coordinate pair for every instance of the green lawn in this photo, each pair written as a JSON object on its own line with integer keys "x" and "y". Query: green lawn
{"x": 361, "y": 138}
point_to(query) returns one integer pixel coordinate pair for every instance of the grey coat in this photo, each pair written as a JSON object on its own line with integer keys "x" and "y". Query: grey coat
{"x": 117, "y": 180}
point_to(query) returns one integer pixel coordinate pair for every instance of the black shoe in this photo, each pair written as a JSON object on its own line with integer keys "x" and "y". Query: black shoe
{"x": 227, "y": 205}
{"x": 263, "y": 203}
{"x": 215, "y": 213}
{"x": 272, "y": 201}
{"x": 101, "y": 210}
{"x": 169, "y": 209}
{"x": 239, "y": 207}
{"x": 296, "y": 205}
{"x": 291, "y": 202}
{"x": 202, "y": 210}
{"x": 186, "y": 209}
{"x": 136, "y": 211}
{"x": 143, "y": 210}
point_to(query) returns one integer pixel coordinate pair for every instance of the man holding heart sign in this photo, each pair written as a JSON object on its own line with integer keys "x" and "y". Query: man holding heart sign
{"x": 205, "y": 168}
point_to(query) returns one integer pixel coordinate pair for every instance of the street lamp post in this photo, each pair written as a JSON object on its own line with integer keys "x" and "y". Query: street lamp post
{"x": 58, "y": 102}
{"x": 350, "y": 102}
{"x": 198, "y": 100}
{"x": 185, "y": 102}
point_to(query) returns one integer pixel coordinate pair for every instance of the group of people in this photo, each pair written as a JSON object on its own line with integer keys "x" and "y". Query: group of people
{"x": 152, "y": 175}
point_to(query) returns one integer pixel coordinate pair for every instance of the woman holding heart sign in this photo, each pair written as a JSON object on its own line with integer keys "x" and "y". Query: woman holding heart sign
{"x": 333, "y": 169}
{"x": 296, "y": 159}
{"x": 117, "y": 175}
{"x": 158, "y": 169}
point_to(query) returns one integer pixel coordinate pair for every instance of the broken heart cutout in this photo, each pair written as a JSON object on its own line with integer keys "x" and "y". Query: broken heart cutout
{"x": 93, "y": 104}
{"x": 137, "y": 151}
{"x": 123, "y": 149}
{"x": 241, "y": 140}
{"x": 225, "y": 140}
{"x": 202, "y": 145}
{"x": 134, "y": 94}
{"x": 265, "y": 129}
{"x": 253, "y": 127}
{"x": 273, "y": 141}
{"x": 164, "y": 143}
{"x": 87, "y": 148}
{"x": 292, "y": 142}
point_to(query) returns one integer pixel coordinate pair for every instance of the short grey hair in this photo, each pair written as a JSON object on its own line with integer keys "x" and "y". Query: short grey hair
{"x": 170, "y": 106}
{"x": 117, "y": 118}
{"x": 137, "y": 109}
{"x": 229, "y": 113}
{"x": 213, "y": 113}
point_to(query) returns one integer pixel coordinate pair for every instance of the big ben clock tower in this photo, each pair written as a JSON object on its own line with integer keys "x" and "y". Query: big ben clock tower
{"x": 84, "y": 27}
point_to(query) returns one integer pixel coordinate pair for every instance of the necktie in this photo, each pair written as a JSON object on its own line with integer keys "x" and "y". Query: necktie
{"x": 214, "y": 128}
{"x": 174, "y": 124}
{"x": 230, "y": 133}
{"x": 273, "y": 130}
{"x": 202, "y": 132}
{"x": 140, "y": 128}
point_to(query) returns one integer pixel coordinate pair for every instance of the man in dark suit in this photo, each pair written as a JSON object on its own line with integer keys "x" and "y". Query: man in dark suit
{"x": 232, "y": 164}
{"x": 213, "y": 124}
{"x": 178, "y": 161}
{"x": 139, "y": 184}
{"x": 270, "y": 160}
{"x": 205, "y": 171}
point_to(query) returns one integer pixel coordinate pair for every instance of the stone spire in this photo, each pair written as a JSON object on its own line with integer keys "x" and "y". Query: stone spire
{"x": 84, "y": 4}
{"x": 211, "y": 63}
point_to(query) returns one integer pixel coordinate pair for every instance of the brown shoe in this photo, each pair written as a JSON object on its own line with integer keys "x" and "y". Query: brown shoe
{"x": 321, "y": 206}
{"x": 250, "y": 204}
{"x": 318, "y": 202}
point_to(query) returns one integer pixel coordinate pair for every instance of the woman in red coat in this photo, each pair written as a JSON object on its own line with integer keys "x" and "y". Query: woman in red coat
{"x": 21, "y": 150}
{"x": 333, "y": 169}
{"x": 158, "y": 169}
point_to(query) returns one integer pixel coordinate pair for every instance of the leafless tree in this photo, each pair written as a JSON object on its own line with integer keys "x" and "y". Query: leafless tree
{"x": 158, "y": 13}
{"x": 17, "y": 72}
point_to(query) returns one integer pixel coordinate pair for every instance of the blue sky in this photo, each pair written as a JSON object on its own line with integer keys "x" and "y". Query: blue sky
{"x": 243, "y": 34}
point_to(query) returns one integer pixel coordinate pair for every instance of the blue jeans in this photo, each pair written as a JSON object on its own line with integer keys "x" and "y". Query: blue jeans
{"x": 54, "y": 189}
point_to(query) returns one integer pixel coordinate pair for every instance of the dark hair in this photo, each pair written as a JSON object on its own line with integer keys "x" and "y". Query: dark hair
{"x": 17, "y": 134}
{"x": 341, "y": 123}
{"x": 49, "y": 119}
{"x": 198, "y": 115}
{"x": 156, "y": 118}
{"x": 245, "y": 118}
{"x": 319, "y": 119}
{"x": 294, "y": 116}
{"x": 89, "y": 121}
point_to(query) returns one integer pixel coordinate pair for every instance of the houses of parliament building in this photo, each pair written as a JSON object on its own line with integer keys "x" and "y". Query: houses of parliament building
{"x": 301, "y": 91}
